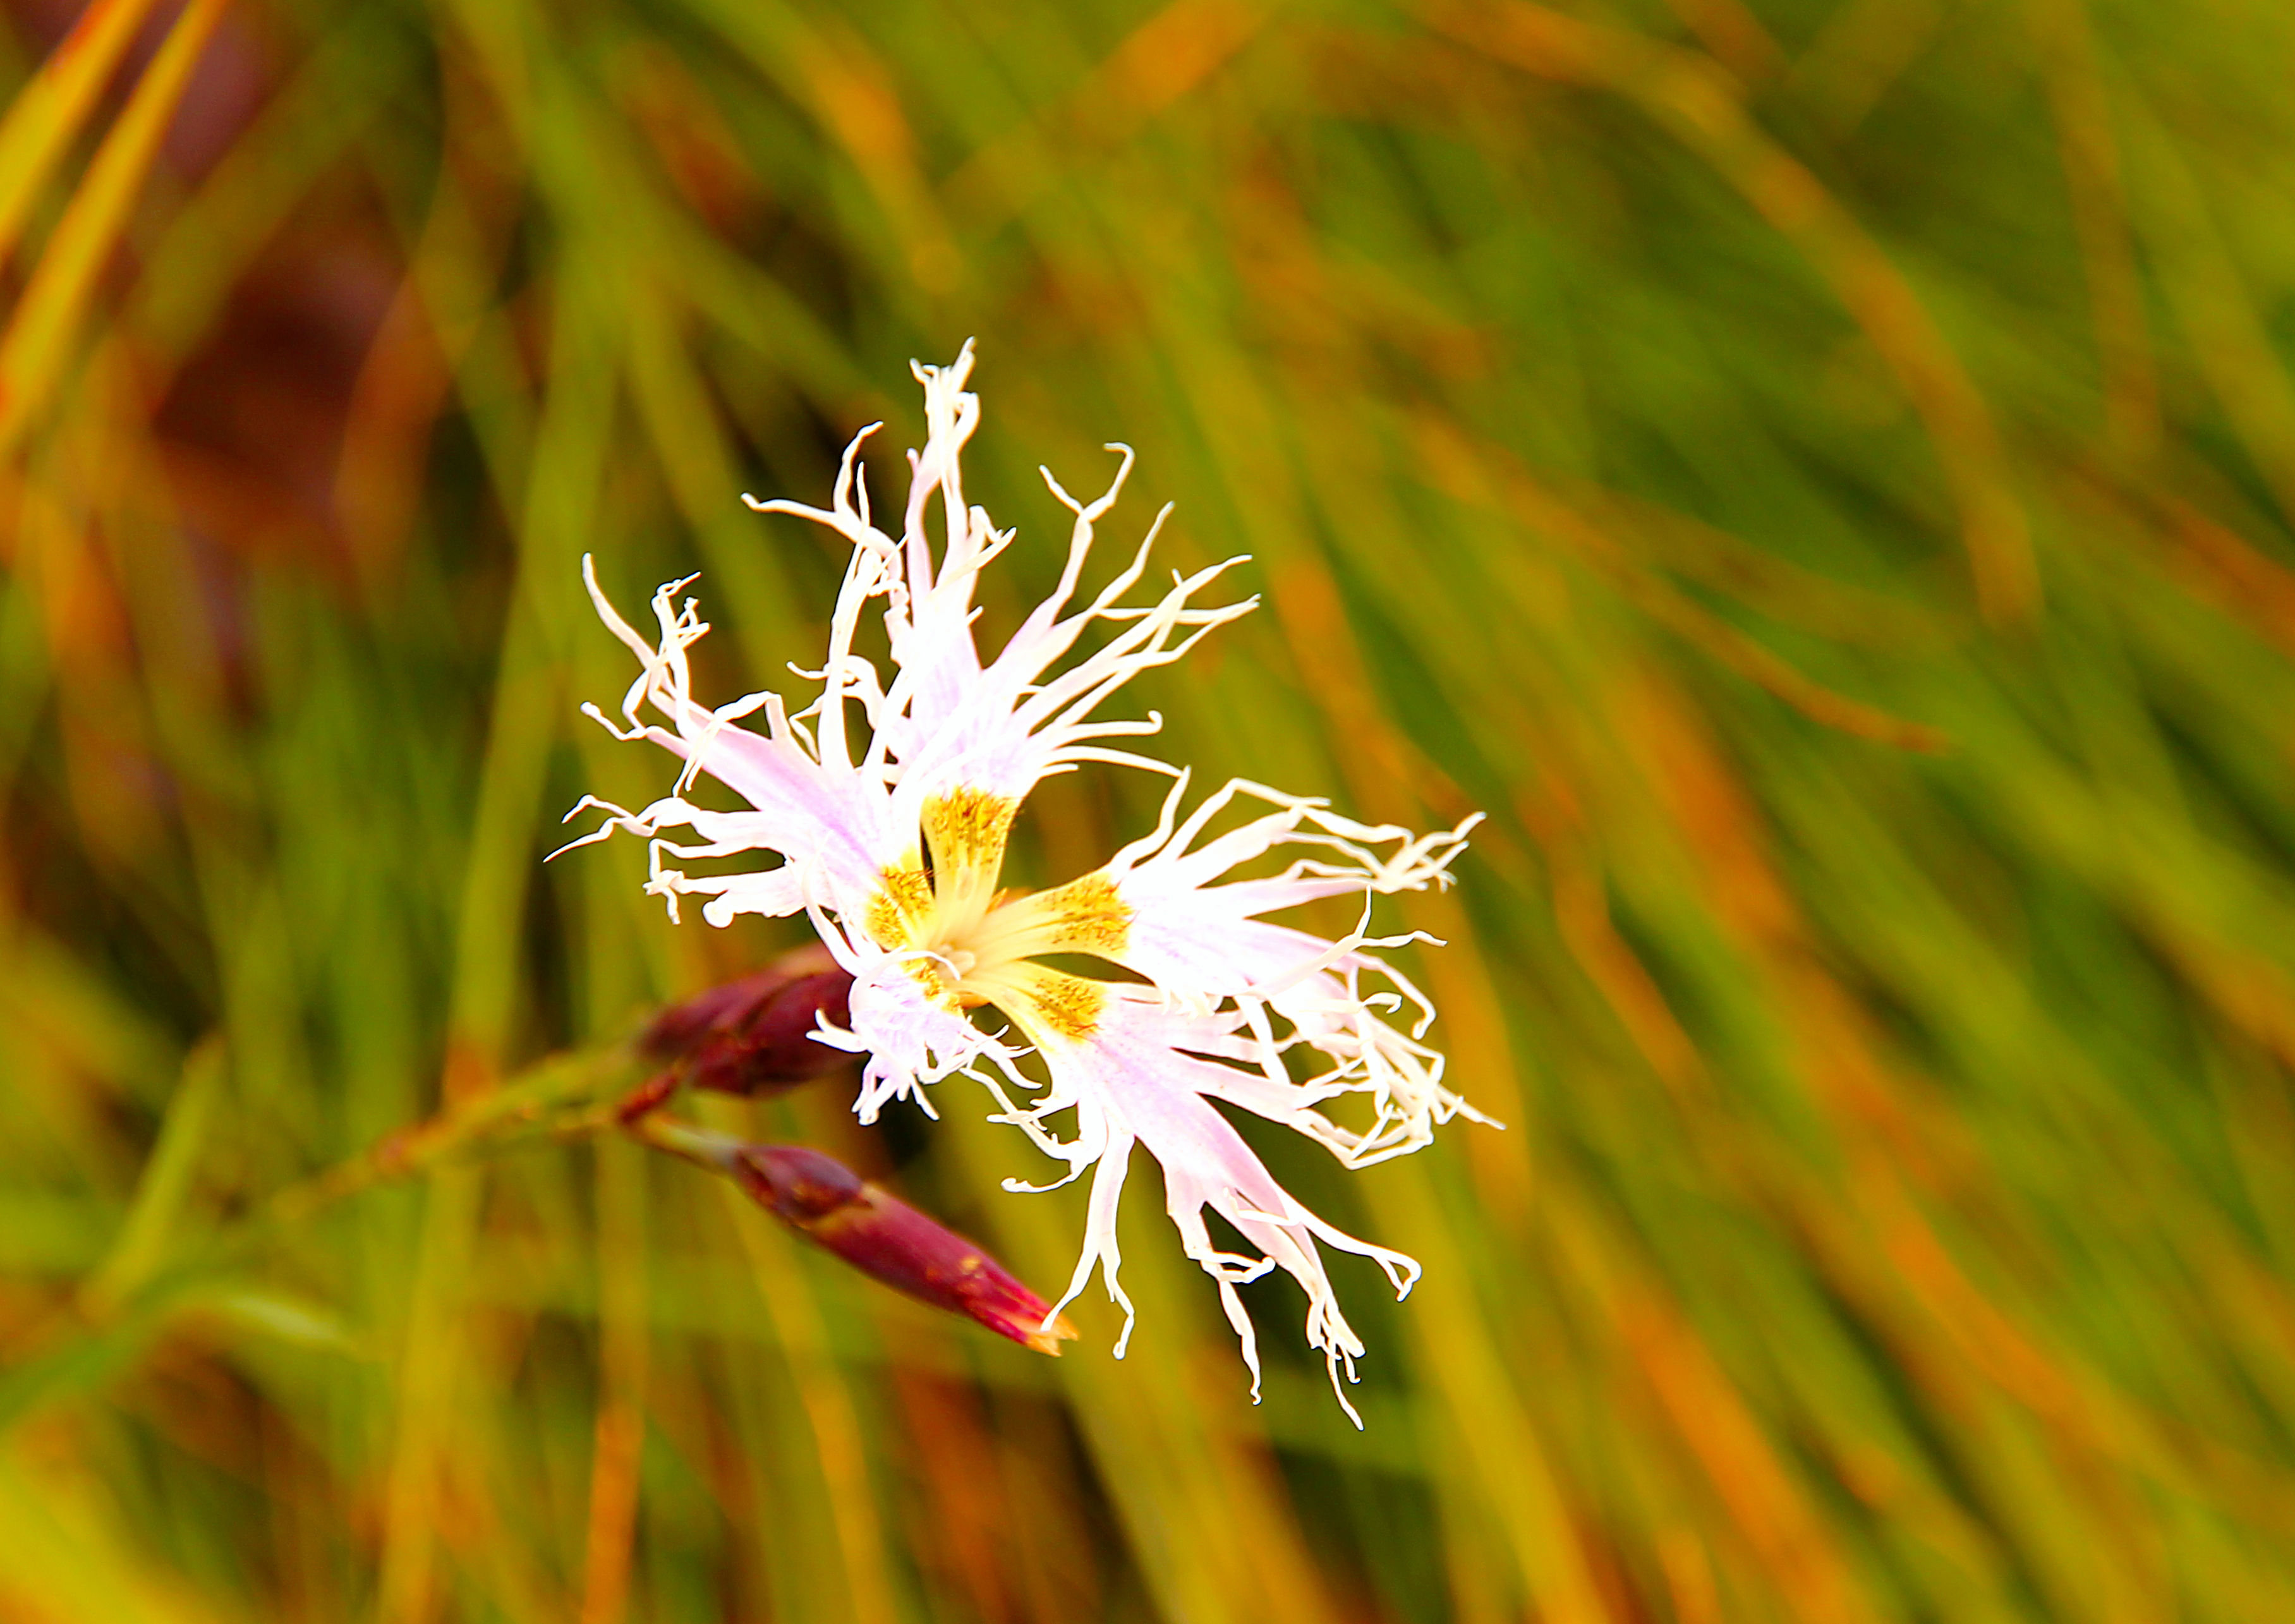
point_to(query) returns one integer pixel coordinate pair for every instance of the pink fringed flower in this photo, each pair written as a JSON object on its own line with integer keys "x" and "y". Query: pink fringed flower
{"x": 891, "y": 839}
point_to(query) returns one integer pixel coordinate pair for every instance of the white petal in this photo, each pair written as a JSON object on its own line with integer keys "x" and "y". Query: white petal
{"x": 835, "y": 824}
{"x": 1130, "y": 1080}
{"x": 911, "y": 1041}
{"x": 1203, "y": 943}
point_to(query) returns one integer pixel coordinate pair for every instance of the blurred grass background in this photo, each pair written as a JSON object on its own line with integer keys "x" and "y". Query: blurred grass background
{"x": 1818, "y": 473}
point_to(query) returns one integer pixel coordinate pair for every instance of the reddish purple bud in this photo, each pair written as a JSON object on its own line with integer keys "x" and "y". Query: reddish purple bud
{"x": 753, "y": 1035}
{"x": 890, "y": 1240}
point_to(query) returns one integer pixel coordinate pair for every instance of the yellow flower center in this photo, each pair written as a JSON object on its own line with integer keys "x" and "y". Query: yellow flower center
{"x": 972, "y": 944}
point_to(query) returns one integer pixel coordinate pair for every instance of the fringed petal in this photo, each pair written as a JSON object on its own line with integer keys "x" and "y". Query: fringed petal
{"x": 1131, "y": 1079}
{"x": 1203, "y": 942}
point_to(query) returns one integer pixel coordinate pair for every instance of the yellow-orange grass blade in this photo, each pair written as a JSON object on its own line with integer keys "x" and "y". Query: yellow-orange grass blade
{"x": 38, "y": 337}
{"x": 49, "y": 110}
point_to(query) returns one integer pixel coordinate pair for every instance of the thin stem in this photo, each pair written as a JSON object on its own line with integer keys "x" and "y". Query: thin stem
{"x": 703, "y": 1146}
{"x": 523, "y": 1108}
{"x": 91, "y": 1334}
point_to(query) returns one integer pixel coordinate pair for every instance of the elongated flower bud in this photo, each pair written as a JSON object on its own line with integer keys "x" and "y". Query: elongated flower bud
{"x": 885, "y": 1237}
{"x": 753, "y": 1036}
